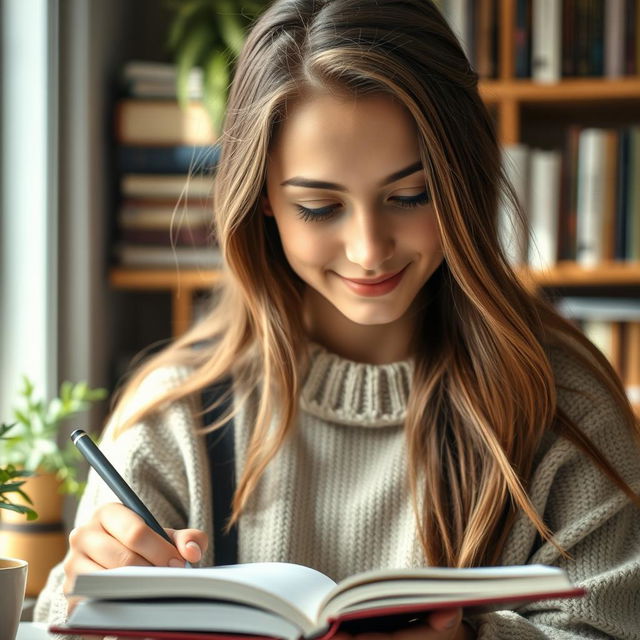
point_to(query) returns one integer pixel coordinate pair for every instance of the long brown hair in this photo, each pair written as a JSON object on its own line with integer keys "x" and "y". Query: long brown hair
{"x": 470, "y": 436}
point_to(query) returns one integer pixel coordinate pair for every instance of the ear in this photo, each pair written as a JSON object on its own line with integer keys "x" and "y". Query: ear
{"x": 266, "y": 205}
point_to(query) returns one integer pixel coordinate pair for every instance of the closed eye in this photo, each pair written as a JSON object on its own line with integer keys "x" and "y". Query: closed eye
{"x": 316, "y": 214}
{"x": 413, "y": 201}
{"x": 324, "y": 213}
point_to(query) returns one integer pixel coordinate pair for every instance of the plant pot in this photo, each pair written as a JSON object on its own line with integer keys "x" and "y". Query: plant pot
{"x": 13, "y": 575}
{"x": 42, "y": 542}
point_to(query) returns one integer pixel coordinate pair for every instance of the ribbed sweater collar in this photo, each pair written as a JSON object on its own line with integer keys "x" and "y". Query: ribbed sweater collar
{"x": 355, "y": 393}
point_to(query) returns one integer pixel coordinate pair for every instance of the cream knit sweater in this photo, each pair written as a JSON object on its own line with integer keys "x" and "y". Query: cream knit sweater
{"x": 336, "y": 498}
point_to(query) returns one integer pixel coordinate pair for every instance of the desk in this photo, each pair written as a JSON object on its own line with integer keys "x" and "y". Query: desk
{"x": 33, "y": 631}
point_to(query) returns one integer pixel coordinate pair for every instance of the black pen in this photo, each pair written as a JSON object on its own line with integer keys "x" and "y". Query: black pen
{"x": 115, "y": 481}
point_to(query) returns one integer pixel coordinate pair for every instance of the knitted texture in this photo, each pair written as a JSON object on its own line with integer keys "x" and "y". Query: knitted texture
{"x": 336, "y": 495}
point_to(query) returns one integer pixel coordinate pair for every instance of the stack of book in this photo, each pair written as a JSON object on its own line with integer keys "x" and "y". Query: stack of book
{"x": 293, "y": 602}
{"x": 613, "y": 325}
{"x": 553, "y": 39}
{"x": 166, "y": 157}
{"x": 582, "y": 202}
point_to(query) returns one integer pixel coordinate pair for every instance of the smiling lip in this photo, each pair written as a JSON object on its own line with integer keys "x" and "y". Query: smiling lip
{"x": 374, "y": 286}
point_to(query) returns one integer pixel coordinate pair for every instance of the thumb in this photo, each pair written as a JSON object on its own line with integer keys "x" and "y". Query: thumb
{"x": 191, "y": 543}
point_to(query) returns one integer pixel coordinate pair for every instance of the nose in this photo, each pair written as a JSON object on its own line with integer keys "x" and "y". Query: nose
{"x": 369, "y": 240}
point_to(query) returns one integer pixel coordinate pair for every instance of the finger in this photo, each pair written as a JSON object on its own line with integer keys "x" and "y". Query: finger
{"x": 80, "y": 565}
{"x": 101, "y": 548}
{"x": 191, "y": 543}
{"x": 133, "y": 533}
{"x": 445, "y": 619}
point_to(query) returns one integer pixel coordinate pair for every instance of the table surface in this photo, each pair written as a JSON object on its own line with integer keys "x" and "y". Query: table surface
{"x": 33, "y": 631}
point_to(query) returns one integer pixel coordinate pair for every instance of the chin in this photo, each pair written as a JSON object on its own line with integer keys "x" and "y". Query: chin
{"x": 373, "y": 317}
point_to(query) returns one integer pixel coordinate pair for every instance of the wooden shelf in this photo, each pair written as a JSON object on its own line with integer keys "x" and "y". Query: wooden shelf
{"x": 564, "y": 274}
{"x": 195, "y": 279}
{"x": 569, "y": 90}
{"x": 181, "y": 283}
{"x": 571, "y": 274}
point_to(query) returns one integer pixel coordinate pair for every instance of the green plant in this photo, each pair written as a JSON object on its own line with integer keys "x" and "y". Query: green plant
{"x": 11, "y": 481}
{"x": 33, "y": 440}
{"x": 209, "y": 34}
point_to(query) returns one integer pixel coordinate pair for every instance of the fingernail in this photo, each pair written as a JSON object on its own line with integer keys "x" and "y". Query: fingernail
{"x": 175, "y": 563}
{"x": 194, "y": 545}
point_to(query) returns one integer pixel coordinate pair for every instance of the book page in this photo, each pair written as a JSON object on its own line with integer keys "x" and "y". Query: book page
{"x": 442, "y": 581}
{"x": 181, "y": 615}
{"x": 293, "y": 591}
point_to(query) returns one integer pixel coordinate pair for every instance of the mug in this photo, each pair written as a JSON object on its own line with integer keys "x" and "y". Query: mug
{"x": 13, "y": 578}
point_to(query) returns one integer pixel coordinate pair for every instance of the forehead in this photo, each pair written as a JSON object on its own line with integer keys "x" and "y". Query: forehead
{"x": 337, "y": 133}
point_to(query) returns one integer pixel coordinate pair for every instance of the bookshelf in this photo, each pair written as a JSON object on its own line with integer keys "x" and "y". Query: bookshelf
{"x": 512, "y": 101}
{"x": 182, "y": 285}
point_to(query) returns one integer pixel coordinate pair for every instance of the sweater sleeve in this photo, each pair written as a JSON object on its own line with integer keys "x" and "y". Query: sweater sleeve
{"x": 164, "y": 462}
{"x": 593, "y": 520}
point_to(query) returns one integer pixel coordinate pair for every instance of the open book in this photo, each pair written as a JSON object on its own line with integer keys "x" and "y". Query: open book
{"x": 290, "y": 601}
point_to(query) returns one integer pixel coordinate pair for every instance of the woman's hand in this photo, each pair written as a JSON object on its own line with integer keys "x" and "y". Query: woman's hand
{"x": 117, "y": 537}
{"x": 445, "y": 624}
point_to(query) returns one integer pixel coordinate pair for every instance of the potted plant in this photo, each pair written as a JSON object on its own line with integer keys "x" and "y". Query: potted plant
{"x": 32, "y": 444}
{"x": 13, "y": 571}
{"x": 11, "y": 481}
{"x": 209, "y": 34}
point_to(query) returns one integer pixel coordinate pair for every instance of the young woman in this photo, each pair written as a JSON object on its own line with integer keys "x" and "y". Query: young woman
{"x": 399, "y": 398}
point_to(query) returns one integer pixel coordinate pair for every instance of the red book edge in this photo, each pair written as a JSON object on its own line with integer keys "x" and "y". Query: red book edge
{"x": 334, "y": 624}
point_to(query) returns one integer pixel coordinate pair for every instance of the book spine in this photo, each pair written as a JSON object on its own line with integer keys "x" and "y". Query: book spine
{"x": 620, "y": 252}
{"x": 543, "y": 207}
{"x": 138, "y": 185}
{"x": 457, "y": 14}
{"x": 568, "y": 192}
{"x": 610, "y": 194}
{"x": 154, "y": 256}
{"x": 600, "y": 333}
{"x": 581, "y": 20}
{"x": 484, "y": 38}
{"x": 614, "y": 38}
{"x": 630, "y": 37}
{"x": 546, "y": 45}
{"x": 170, "y": 159}
{"x": 162, "y": 122}
{"x": 596, "y": 38}
{"x": 633, "y": 197}
{"x": 568, "y": 38}
{"x": 188, "y": 237}
{"x": 513, "y": 232}
{"x": 589, "y": 248}
{"x": 522, "y": 39}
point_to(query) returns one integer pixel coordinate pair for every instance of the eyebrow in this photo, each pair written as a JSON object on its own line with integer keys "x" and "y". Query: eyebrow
{"x": 299, "y": 181}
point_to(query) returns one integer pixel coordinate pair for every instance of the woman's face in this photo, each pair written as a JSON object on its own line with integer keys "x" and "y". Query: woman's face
{"x": 348, "y": 193}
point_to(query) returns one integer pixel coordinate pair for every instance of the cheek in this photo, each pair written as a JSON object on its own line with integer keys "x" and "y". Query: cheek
{"x": 305, "y": 244}
{"x": 424, "y": 235}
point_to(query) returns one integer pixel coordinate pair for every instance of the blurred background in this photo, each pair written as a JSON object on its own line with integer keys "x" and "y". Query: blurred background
{"x": 110, "y": 110}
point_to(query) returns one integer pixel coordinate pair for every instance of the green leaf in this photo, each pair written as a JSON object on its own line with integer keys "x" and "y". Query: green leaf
{"x": 231, "y": 26}
{"x": 21, "y": 417}
{"x": 27, "y": 387}
{"x": 5, "y": 428}
{"x": 187, "y": 15}
{"x": 200, "y": 40}
{"x": 216, "y": 82}
{"x": 55, "y": 411}
{"x": 20, "y": 508}
{"x": 65, "y": 392}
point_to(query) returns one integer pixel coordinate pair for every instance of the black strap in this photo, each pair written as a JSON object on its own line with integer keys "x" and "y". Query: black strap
{"x": 222, "y": 467}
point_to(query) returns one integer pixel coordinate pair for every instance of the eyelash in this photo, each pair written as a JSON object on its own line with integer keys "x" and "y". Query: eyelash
{"x": 317, "y": 215}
